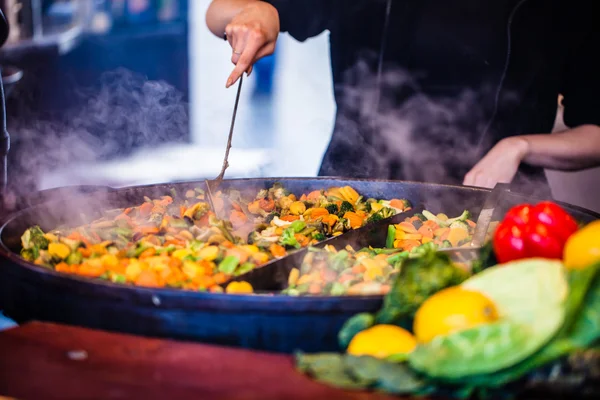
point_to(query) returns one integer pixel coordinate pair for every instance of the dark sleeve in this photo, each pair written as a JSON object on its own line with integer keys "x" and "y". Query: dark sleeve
{"x": 304, "y": 19}
{"x": 581, "y": 85}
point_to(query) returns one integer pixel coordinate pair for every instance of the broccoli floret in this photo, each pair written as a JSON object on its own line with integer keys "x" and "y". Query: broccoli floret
{"x": 318, "y": 236}
{"x": 367, "y": 207}
{"x": 375, "y": 218}
{"x": 262, "y": 194}
{"x": 74, "y": 258}
{"x": 446, "y": 244}
{"x": 421, "y": 217}
{"x": 463, "y": 217}
{"x": 253, "y": 237}
{"x": 30, "y": 254}
{"x": 332, "y": 208}
{"x": 34, "y": 238}
{"x": 346, "y": 207}
{"x": 270, "y": 217}
{"x": 459, "y": 225}
{"x": 340, "y": 225}
{"x": 387, "y": 212}
{"x": 406, "y": 203}
{"x": 418, "y": 279}
{"x": 278, "y": 191}
{"x": 288, "y": 239}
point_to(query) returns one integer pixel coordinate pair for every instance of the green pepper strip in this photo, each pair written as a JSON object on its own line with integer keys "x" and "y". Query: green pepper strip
{"x": 391, "y": 237}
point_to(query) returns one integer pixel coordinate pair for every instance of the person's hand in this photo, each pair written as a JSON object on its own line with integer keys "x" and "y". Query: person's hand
{"x": 252, "y": 35}
{"x": 500, "y": 164}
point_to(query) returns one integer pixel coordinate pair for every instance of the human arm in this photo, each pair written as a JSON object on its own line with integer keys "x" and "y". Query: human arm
{"x": 569, "y": 150}
{"x": 252, "y": 26}
{"x": 573, "y": 149}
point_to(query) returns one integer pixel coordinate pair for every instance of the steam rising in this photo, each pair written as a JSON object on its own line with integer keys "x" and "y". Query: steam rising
{"x": 435, "y": 139}
{"x": 126, "y": 111}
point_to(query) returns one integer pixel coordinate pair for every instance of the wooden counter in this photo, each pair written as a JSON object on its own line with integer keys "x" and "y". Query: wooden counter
{"x": 42, "y": 361}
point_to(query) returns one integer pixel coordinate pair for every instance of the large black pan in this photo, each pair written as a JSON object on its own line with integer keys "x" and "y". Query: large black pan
{"x": 268, "y": 322}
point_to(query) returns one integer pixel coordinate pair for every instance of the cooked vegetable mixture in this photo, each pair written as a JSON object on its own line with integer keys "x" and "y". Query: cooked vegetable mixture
{"x": 369, "y": 272}
{"x": 438, "y": 229}
{"x": 177, "y": 241}
{"x": 344, "y": 272}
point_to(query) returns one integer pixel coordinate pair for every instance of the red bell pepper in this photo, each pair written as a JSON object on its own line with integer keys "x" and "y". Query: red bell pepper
{"x": 529, "y": 231}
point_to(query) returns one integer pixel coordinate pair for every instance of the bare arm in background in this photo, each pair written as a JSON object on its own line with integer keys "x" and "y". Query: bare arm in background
{"x": 571, "y": 150}
{"x": 252, "y": 28}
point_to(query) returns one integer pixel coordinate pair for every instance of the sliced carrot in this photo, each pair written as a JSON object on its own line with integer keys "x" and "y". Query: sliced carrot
{"x": 355, "y": 220}
{"x": 407, "y": 227}
{"x": 317, "y": 212}
{"x": 147, "y": 278}
{"x": 174, "y": 262}
{"x": 205, "y": 281}
{"x": 432, "y": 224}
{"x": 166, "y": 200}
{"x": 91, "y": 270}
{"x": 62, "y": 267}
{"x": 174, "y": 242}
{"x": 290, "y": 218}
{"x": 148, "y": 253}
{"x": 75, "y": 236}
{"x": 147, "y": 230}
{"x": 330, "y": 219}
{"x": 277, "y": 250}
{"x": 302, "y": 240}
{"x": 146, "y": 209}
{"x": 85, "y": 251}
{"x": 314, "y": 288}
{"x": 303, "y": 197}
{"x": 399, "y": 204}
{"x": 267, "y": 204}
{"x": 237, "y": 218}
{"x": 154, "y": 240}
{"x": 220, "y": 278}
{"x": 314, "y": 195}
{"x": 236, "y": 206}
{"x": 182, "y": 211}
{"x": 410, "y": 244}
{"x": 471, "y": 223}
{"x": 227, "y": 244}
{"x": 426, "y": 232}
{"x": 358, "y": 269}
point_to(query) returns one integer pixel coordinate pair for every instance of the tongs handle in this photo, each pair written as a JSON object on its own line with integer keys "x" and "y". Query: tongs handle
{"x": 487, "y": 212}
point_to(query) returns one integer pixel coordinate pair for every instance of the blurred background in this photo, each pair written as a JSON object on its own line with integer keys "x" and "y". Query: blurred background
{"x": 130, "y": 92}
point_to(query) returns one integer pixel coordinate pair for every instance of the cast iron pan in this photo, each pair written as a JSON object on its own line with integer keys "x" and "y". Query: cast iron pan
{"x": 265, "y": 322}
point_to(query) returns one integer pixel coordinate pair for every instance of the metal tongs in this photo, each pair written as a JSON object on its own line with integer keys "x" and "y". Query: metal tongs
{"x": 470, "y": 254}
{"x": 215, "y": 183}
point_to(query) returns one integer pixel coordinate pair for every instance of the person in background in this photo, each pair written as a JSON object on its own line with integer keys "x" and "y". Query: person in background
{"x": 516, "y": 55}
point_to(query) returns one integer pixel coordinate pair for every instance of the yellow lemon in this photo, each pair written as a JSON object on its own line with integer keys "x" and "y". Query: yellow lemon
{"x": 382, "y": 341}
{"x": 452, "y": 310}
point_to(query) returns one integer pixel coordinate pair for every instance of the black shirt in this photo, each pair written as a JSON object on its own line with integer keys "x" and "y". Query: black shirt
{"x": 424, "y": 88}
